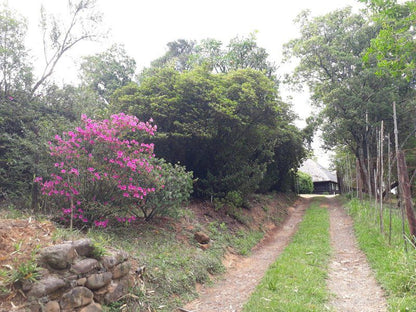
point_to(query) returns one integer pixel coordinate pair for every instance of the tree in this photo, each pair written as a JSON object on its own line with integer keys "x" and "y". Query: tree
{"x": 394, "y": 47}
{"x": 59, "y": 38}
{"x": 224, "y": 127}
{"x": 240, "y": 53}
{"x": 15, "y": 69}
{"x": 331, "y": 50}
{"x": 305, "y": 183}
{"x": 25, "y": 118}
{"x": 105, "y": 72}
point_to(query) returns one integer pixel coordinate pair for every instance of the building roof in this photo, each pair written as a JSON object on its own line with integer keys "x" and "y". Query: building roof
{"x": 317, "y": 172}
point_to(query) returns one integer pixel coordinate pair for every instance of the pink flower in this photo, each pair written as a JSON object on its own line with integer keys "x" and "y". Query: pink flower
{"x": 90, "y": 169}
{"x": 74, "y": 171}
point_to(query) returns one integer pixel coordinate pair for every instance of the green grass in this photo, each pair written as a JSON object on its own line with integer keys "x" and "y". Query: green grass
{"x": 394, "y": 268}
{"x": 297, "y": 280}
{"x": 174, "y": 266}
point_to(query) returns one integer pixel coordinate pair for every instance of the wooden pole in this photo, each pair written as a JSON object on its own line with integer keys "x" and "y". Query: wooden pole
{"x": 400, "y": 188}
{"x": 389, "y": 183}
{"x": 376, "y": 171}
{"x": 359, "y": 180}
{"x": 406, "y": 195}
{"x": 368, "y": 157}
{"x": 381, "y": 177}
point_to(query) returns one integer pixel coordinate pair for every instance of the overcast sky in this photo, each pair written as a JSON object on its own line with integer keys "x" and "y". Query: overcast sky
{"x": 145, "y": 27}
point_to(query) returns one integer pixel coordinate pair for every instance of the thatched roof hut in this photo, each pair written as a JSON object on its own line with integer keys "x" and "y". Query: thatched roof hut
{"x": 323, "y": 180}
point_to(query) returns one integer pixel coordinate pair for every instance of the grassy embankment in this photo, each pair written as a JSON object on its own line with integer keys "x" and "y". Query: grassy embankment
{"x": 174, "y": 261}
{"x": 297, "y": 280}
{"x": 395, "y": 268}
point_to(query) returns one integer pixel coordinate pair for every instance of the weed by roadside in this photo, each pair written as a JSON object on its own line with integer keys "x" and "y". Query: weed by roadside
{"x": 394, "y": 268}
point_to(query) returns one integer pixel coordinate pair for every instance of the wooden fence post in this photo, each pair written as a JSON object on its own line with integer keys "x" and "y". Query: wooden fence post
{"x": 406, "y": 195}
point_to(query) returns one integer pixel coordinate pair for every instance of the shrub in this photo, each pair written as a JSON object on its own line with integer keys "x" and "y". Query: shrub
{"x": 104, "y": 169}
{"x": 305, "y": 183}
{"x": 177, "y": 190}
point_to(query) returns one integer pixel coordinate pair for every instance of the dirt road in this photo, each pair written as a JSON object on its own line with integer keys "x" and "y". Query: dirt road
{"x": 350, "y": 281}
{"x": 239, "y": 282}
{"x": 350, "y": 278}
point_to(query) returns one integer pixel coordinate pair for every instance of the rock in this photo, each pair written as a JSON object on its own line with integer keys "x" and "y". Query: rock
{"x": 75, "y": 298}
{"x": 99, "y": 294}
{"x": 52, "y": 306}
{"x": 34, "y": 307}
{"x": 84, "y": 266}
{"x": 96, "y": 281}
{"x": 84, "y": 247}
{"x": 92, "y": 307}
{"x": 58, "y": 257}
{"x": 114, "y": 259}
{"x": 116, "y": 290}
{"x": 201, "y": 238}
{"x": 204, "y": 246}
{"x": 121, "y": 270}
{"x": 81, "y": 281}
{"x": 109, "y": 261}
{"x": 46, "y": 286}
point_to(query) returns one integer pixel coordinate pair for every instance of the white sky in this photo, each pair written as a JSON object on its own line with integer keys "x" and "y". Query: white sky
{"x": 146, "y": 26}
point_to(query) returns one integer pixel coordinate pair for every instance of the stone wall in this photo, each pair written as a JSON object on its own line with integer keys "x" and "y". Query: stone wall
{"x": 73, "y": 280}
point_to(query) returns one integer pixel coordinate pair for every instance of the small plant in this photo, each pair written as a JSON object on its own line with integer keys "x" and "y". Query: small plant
{"x": 26, "y": 271}
{"x": 18, "y": 246}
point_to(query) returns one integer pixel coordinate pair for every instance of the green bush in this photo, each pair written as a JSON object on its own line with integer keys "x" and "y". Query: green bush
{"x": 305, "y": 183}
{"x": 177, "y": 190}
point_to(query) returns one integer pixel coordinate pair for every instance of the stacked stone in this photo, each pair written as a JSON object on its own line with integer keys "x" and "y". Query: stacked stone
{"x": 72, "y": 280}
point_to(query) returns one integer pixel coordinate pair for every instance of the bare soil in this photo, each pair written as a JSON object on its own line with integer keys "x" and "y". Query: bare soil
{"x": 19, "y": 238}
{"x": 350, "y": 278}
{"x": 243, "y": 275}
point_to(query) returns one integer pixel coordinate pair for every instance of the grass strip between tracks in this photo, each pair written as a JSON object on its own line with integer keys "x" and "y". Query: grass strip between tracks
{"x": 297, "y": 280}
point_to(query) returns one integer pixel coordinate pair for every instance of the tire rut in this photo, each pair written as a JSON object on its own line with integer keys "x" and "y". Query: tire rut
{"x": 233, "y": 290}
{"x": 350, "y": 280}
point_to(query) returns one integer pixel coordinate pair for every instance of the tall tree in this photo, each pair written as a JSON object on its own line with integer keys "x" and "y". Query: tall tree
{"x": 60, "y": 37}
{"x": 15, "y": 66}
{"x": 240, "y": 53}
{"x": 331, "y": 50}
{"x": 105, "y": 72}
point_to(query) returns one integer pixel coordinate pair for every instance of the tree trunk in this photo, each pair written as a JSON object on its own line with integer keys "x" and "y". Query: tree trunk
{"x": 364, "y": 169}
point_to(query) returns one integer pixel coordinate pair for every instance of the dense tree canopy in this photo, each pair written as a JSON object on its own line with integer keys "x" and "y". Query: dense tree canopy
{"x": 223, "y": 127}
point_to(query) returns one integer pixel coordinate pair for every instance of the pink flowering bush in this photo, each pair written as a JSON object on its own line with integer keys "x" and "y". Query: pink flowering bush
{"x": 103, "y": 170}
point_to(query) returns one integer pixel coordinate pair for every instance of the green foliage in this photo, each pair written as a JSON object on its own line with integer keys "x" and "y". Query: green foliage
{"x": 353, "y": 99}
{"x": 177, "y": 189}
{"x": 305, "y": 183}
{"x": 240, "y": 53}
{"x": 26, "y": 120}
{"x": 298, "y": 285}
{"x": 394, "y": 267}
{"x": 105, "y": 72}
{"x": 226, "y": 128}
{"x": 99, "y": 249}
{"x": 26, "y": 271}
{"x": 394, "y": 48}
{"x": 16, "y": 71}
